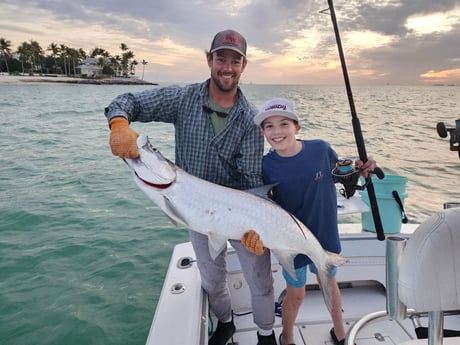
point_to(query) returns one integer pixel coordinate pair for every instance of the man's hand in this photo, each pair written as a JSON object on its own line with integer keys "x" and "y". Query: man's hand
{"x": 123, "y": 138}
{"x": 251, "y": 241}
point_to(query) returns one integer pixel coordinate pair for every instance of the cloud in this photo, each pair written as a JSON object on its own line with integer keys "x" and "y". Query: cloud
{"x": 290, "y": 41}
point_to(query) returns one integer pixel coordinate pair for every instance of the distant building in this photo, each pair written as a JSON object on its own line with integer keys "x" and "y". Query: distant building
{"x": 90, "y": 67}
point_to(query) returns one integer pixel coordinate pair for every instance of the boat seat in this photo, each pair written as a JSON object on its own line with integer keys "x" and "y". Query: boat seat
{"x": 429, "y": 276}
{"x": 429, "y": 279}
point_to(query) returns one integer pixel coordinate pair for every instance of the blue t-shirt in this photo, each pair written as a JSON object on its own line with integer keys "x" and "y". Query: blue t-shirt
{"x": 306, "y": 188}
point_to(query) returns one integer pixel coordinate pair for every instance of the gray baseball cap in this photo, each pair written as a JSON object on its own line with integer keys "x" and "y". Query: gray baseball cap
{"x": 229, "y": 39}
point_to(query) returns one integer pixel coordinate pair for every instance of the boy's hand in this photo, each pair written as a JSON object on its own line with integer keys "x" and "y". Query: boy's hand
{"x": 251, "y": 241}
{"x": 366, "y": 168}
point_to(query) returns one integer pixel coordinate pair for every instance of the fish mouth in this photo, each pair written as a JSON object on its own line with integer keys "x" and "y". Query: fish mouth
{"x": 129, "y": 162}
{"x": 151, "y": 184}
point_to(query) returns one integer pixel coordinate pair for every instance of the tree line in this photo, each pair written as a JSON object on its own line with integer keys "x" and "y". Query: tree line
{"x": 30, "y": 58}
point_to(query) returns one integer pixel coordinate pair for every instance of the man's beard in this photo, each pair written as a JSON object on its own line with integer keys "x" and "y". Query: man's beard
{"x": 224, "y": 87}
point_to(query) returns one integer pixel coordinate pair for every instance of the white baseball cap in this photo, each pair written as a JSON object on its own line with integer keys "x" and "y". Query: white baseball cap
{"x": 276, "y": 107}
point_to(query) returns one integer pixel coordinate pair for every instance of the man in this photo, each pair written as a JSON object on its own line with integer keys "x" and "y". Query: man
{"x": 216, "y": 140}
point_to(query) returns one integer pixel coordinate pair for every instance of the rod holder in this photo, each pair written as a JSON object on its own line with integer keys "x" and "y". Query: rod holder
{"x": 394, "y": 249}
{"x": 448, "y": 205}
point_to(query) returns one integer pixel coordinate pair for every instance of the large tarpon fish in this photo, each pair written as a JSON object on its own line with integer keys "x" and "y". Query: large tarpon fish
{"x": 224, "y": 213}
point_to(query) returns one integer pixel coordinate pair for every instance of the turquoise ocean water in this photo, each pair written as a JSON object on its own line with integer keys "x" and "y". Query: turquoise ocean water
{"x": 83, "y": 252}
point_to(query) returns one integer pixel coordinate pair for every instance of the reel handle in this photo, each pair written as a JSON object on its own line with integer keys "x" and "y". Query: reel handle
{"x": 378, "y": 172}
{"x": 454, "y": 133}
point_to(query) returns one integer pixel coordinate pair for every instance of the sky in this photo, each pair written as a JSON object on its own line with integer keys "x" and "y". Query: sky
{"x": 289, "y": 41}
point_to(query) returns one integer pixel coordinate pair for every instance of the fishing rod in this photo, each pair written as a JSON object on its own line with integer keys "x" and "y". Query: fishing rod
{"x": 357, "y": 130}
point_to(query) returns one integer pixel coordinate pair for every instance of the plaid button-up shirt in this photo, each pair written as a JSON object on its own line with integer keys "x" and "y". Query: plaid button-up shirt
{"x": 230, "y": 158}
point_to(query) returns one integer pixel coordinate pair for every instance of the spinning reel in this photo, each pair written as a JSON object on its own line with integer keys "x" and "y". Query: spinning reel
{"x": 454, "y": 135}
{"x": 349, "y": 175}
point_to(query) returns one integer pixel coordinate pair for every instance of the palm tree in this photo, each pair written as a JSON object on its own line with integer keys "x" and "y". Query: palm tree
{"x": 25, "y": 53}
{"x": 125, "y": 61}
{"x": 37, "y": 53}
{"x": 33, "y": 58}
{"x": 74, "y": 56}
{"x": 132, "y": 67}
{"x": 143, "y": 67}
{"x": 54, "y": 49}
{"x": 82, "y": 53}
{"x": 115, "y": 62}
{"x": 101, "y": 62}
{"x": 63, "y": 50}
{"x": 6, "y": 51}
{"x": 97, "y": 52}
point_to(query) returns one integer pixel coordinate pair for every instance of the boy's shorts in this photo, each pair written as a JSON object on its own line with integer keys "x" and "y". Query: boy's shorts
{"x": 301, "y": 273}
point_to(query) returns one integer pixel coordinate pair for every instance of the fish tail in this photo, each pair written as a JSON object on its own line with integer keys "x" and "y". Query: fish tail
{"x": 325, "y": 277}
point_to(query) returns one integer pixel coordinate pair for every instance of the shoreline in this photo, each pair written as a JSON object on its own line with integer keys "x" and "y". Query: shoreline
{"x": 26, "y": 79}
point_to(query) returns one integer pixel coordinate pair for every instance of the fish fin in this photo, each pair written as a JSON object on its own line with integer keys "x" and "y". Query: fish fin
{"x": 325, "y": 276}
{"x": 216, "y": 244}
{"x": 286, "y": 259}
{"x": 174, "y": 221}
{"x": 334, "y": 259}
{"x": 173, "y": 214}
{"x": 263, "y": 191}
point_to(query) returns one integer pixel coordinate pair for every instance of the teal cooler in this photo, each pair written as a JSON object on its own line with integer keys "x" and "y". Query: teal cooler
{"x": 390, "y": 211}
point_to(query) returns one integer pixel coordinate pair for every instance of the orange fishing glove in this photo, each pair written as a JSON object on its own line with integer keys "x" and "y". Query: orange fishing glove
{"x": 123, "y": 138}
{"x": 251, "y": 241}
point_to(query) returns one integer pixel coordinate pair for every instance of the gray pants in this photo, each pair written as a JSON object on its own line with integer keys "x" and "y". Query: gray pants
{"x": 256, "y": 271}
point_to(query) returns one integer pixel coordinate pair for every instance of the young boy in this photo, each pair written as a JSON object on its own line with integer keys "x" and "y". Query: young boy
{"x": 305, "y": 186}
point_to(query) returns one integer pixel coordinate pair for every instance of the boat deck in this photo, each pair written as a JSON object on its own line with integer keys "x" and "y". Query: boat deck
{"x": 362, "y": 279}
{"x": 362, "y": 285}
{"x": 314, "y": 323}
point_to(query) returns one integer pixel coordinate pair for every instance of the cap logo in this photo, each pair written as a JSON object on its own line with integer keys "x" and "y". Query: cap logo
{"x": 230, "y": 38}
{"x": 276, "y": 106}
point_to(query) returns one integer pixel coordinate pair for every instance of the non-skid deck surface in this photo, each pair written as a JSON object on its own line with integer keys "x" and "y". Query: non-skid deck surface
{"x": 314, "y": 323}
